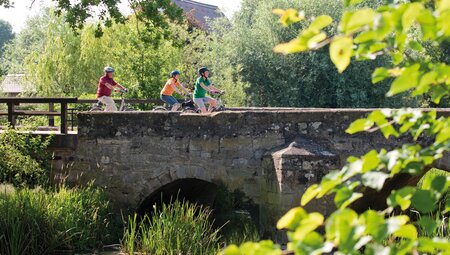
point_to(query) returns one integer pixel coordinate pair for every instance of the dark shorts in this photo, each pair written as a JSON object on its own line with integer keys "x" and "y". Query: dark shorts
{"x": 169, "y": 99}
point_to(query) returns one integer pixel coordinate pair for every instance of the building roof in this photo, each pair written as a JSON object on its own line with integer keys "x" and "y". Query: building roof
{"x": 200, "y": 11}
{"x": 14, "y": 83}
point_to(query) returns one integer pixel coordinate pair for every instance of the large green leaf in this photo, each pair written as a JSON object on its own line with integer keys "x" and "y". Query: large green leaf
{"x": 380, "y": 74}
{"x": 401, "y": 198}
{"x": 411, "y": 14}
{"x": 341, "y": 51}
{"x": 407, "y": 80}
{"x": 309, "y": 194}
{"x": 423, "y": 201}
{"x": 357, "y": 20}
{"x": 289, "y": 16}
{"x": 320, "y": 22}
{"x": 292, "y": 218}
{"x": 359, "y": 125}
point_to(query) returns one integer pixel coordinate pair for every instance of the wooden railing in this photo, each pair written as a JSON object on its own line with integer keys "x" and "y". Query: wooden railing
{"x": 13, "y": 102}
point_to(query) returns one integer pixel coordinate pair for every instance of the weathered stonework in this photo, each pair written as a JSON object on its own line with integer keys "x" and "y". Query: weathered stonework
{"x": 272, "y": 156}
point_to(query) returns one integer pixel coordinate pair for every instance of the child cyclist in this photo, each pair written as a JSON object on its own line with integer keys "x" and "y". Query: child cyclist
{"x": 172, "y": 85}
{"x": 202, "y": 86}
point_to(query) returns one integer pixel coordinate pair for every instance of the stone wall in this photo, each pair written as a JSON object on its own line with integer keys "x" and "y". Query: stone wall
{"x": 270, "y": 156}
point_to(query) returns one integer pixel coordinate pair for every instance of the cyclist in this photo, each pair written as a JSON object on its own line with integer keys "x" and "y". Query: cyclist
{"x": 173, "y": 85}
{"x": 202, "y": 86}
{"x": 105, "y": 85}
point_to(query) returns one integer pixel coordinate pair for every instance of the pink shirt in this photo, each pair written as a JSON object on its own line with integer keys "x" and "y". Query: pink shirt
{"x": 102, "y": 89}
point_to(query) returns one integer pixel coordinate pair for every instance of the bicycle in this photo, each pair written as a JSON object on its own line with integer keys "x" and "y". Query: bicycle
{"x": 124, "y": 107}
{"x": 186, "y": 106}
{"x": 218, "y": 108}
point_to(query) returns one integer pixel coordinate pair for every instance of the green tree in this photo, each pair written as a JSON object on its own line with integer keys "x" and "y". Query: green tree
{"x": 364, "y": 34}
{"x": 277, "y": 80}
{"x": 6, "y": 34}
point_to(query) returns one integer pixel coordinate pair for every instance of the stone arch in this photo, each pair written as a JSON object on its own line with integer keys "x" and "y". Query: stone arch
{"x": 191, "y": 189}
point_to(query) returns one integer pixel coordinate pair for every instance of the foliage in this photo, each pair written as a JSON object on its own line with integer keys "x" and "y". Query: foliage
{"x": 39, "y": 222}
{"x": 154, "y": 13}
{"x": 24, "y": 160}
{"x": 366, "y": 33}
{"x": 176, "y": 228}
{"x": 6, "y": 34}
{"x": 276, "y": 80}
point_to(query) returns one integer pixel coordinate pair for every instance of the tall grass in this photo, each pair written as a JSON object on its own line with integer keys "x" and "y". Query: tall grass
{"x": 176, "y": 228}
{"x": 436, "y": 223}
{"x": 41, "y": 222}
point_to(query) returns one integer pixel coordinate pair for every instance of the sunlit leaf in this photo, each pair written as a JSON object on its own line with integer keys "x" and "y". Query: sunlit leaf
{"x": 292, "y": 218}
{"x": 309, "y": 194}
{"x": 289, "y": 16}
{"x": 407, "y": 80}
{"x": 407, "y": 231}
{"x": 410, "y": 15}
{"x": 359, "y": 125}
{"x": 320, "y": 22}
{"x": 358, "y": 19}
{"x": 294, "y": 46}
{"x": 341, "y": 51}
{"x": 379, "y": 75}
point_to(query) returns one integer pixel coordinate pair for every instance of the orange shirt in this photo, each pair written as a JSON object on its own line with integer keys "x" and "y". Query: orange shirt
{"x": 168, "y": 90}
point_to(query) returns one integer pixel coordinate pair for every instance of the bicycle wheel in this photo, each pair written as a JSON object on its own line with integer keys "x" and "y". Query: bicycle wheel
{"x": 190, "y": 110}
{"x": 160, "y": 108}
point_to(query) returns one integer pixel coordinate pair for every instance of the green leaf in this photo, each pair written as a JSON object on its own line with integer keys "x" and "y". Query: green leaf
{"x": 370, "y": 161}
{"x": 443, "y": 136}
{"x": 423, "y": 201}
{"x": 345, "y": 196}
{"x": 352, "y": 2}
{"x": 307, "y": 225}
{"x": 292, "y": 218}
{"x": 359, "y": 125}
{"x": 401, "y": 197}
{"x": 407, "y": 80}
{"x": 309, "y": 194}
{"x": 437, "y": 93}
{"x": 427, "y": 224}
{"x": 410, "y": 15}
{"x": 380, "y": 74}
{"x": 407, "y": 231}
{"x": 375, "y": 225}
{"x": 294, "y": 46}
{"x": 365, "y": 36}
{"x": 443, "y": 5}
{"x": 231, "y": 250}
{"x": 341, "y": 51}
{"x": 374, "y": 180}
{"x": 425, "y": 81}
{"x": 357, "y": 20}
{"x": 415, "y": 45}
{"x": 320, "y": 22}
{"x": 289, "y": 16}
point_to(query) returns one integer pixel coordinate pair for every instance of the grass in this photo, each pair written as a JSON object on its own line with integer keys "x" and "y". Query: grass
{"x": 34, "y": 221}
{"x": 175, "y": 228}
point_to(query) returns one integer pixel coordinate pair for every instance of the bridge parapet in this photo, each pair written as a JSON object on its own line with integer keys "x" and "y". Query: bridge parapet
{"x": 271, "y": 156}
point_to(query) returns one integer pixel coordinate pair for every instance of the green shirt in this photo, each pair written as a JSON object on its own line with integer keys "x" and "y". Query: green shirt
{"x": 199, "y": 91}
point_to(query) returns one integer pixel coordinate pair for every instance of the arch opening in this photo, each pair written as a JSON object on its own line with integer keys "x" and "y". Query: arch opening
{"x": 230, "y": 211}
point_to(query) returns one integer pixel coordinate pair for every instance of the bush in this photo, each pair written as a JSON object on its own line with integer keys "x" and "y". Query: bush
{"x": 24, "y": 159}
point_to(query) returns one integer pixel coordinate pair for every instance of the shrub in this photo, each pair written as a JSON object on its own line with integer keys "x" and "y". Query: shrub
{"x": 24, "y": 159}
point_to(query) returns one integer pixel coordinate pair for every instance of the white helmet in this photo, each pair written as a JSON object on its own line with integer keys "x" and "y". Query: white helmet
{"x": 109, "y": 69}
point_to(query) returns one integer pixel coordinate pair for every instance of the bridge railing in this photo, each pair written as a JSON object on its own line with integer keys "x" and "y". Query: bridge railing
{"x": 68, "y": 110}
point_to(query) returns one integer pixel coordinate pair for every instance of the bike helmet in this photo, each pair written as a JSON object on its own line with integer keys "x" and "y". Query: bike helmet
{"x": 202, "y": 70}
{"x": 174, "y": 72}
{"x": 109, "y": 69}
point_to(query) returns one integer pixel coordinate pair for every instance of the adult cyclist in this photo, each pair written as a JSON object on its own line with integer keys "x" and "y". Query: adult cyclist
{"x": 173, "y": 85}
{"x": 202, "y": 86}
{"x": 105, "y": 85}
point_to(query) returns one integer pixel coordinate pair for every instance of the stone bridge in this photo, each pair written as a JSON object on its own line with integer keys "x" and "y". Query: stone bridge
{"x": 270, "y": 155}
